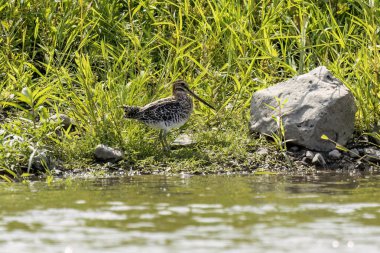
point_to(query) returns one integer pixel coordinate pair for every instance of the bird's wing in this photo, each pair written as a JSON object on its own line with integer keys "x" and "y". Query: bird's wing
{"x": 158, "y": 103}
{"x": 160, "y": 110}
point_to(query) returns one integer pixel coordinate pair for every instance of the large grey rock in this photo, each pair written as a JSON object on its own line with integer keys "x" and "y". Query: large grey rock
{"x": 317, "y": 104}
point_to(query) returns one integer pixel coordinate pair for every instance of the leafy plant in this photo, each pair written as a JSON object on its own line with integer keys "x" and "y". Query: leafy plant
{"x": 279, "y": 136}
{"x": 32, "y": 102}
{"x": 6, "y": 174}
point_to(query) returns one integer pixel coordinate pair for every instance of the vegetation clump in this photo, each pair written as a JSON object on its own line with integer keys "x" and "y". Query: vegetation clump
{"x": 85, "y": 58}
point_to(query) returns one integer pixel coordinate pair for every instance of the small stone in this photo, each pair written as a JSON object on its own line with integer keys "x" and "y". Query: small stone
{"x": 183, "y": 140}
{"x": 107, "y": 154}
{"x": 372, "y": 154}
{"x": 309, "y": 155}
{"x": 262, "y": 151}
{"x": 335, "y": 154}
{"x": 63, "y": 119}
{"x": 42, "y": 161}
{"x": 354, "y": 153}
{"x": 57, "y": 172}
{"x": 318, "y": 159}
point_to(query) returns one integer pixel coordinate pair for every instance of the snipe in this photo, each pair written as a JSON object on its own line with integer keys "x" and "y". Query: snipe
{"x": 166, "y": 113}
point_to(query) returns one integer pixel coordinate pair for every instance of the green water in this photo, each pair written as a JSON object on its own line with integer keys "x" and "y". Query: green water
{"x": 264, "y": 213}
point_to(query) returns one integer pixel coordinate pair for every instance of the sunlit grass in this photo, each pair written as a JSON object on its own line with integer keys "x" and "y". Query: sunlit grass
{"x": 93, "y": 56}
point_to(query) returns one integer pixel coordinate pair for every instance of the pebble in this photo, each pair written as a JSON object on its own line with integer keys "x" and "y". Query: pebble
{"x": 318, "y": 159}
{"x": 43, "y": 161}
{"x": 354, "y": 153}
{"x": 262, "y": 151}
{"x": 309, "y": 155}
{"x": 372, "y": 154}
{"x": 335, "y": 154}
{"x": 107, "y": 154}
{"x": 63, "y": 119}
{"x": 183, "y": 140}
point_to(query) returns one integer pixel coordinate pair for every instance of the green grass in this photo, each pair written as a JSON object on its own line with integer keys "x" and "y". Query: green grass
{"x": 92, "y": 56}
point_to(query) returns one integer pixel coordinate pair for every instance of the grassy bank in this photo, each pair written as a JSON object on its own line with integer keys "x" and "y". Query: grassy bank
{"x": 85, "y": 58}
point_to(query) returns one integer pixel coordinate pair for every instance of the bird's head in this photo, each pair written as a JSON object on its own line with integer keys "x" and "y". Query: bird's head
{"x": 181, "y": 86}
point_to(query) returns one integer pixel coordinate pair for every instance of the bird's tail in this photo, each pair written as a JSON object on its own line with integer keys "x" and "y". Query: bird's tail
{"x": 131, "y": 112}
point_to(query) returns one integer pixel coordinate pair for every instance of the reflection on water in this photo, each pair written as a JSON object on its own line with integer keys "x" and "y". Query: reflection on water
{"x": 267, "y": 213}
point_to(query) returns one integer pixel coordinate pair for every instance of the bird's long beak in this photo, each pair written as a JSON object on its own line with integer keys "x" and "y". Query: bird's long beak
{"x": 204, "y": 102}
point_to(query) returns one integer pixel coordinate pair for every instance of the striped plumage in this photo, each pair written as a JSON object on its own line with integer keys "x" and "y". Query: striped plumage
{"x": 166, "y": 113}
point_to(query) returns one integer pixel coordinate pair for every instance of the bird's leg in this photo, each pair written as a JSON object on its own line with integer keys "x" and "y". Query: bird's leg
{"x": 160, "y": 138}
{"x": 167, "y": 147}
